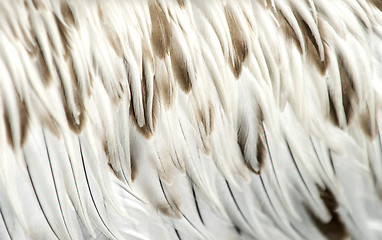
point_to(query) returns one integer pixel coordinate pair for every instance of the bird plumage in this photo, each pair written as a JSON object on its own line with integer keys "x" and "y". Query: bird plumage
{"x": 253, "y": 119}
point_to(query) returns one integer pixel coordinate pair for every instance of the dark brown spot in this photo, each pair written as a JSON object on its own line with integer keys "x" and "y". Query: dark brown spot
{"x": 160, "y": 30}
{"x": 335, "y": 228}
{"x": 332, "y": 112}
{"x": 179, "y": 67}
{"x": 239, "y": 44}
{"x": 366, "y": 123}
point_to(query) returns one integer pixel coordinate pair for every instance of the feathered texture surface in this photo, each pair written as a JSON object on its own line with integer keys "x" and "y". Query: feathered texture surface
{"x": 165, "y": 119}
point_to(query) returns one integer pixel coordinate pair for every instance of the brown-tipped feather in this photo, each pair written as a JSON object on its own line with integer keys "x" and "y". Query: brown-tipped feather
{"x": 8, "y": 130}
{"x": 332, "y": 112}
{"x": 77, "y": 128}
{"x": 145, "y": 129}
{"x": 179, "y": 67}
{"x": 367, "y": 123}
{"x": 43, "y": 67}
{"x": 376, "y": 3}
{"x": 181, "y": 3}
{"x": 290, "y": 34}
{"x": 160, "y": 30}
{"x": 335, "y": 228}
{"x": 311, "y": 46}
{"x": 67, "y": 13}
{"x": 239, "y": 44}
{"x": 261, "y": 150}
{"x": 24, "y": 120}
{"x": 348, "y": 92}
{"x": 164, "y": 85}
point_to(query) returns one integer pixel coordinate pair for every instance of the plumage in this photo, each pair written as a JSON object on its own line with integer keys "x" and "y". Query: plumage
{"x": 164, "y": 119}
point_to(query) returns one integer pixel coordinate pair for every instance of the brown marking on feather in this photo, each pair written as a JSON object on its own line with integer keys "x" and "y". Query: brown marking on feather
{"x": 75, "y": 127}
{"x": 49, "y": 123}
{"x": 38, "y": 4}
{"x": 376, "y": 3}
{"x": 348, "y": 91}
{"x": 24, "y": 120}
{"x": 160, "y": 30}
{"x": 200, "y": 116}
{"x": 115, "y": 42}
{"x": 335, "y": 229}
{"x": 166, "y": 210}
{"x": 67, "y": 13}
{"x": 145, "y": 129}
{"x": 164, "y": 85}
{"x": 261, "y": 150}
{"x": 101, "y": 15}
{"x": 43, "y": 67}
{"x": 181, "y": 3}
{"x": 8, "y": 130}
{"x": 239, "y": 44}
{"x": 134, "y": 168}
{"x": 64, "y": 36}
{"x": 366, "y": 124}
{"x": 212, "y": 115}
{"x": 179, "y": 67}
{"x": 311, "y": 46}
{"x": 290, "y": 34}
{"x": 332, "y": 112}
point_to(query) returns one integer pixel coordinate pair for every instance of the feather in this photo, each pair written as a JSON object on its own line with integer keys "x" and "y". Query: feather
{"x": 163, "y": 119}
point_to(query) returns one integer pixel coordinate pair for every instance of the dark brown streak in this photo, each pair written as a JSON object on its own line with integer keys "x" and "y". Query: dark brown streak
{"x": 348, "y": 91}
{"x": 24, "y": 120}
{"x": 332, "y": 111}
{"x": 366, "y": 123}
{"x": 261, "y": 151}
{"x": 179, "y": 67}
{"x": 8, "y": 129}
{"x": 311, "y": 45}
